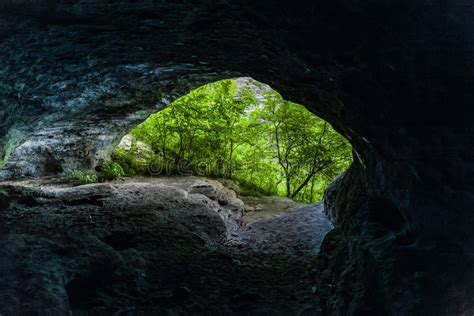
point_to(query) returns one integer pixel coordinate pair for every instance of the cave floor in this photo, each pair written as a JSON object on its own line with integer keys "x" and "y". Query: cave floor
{"x": 117, "y": 248}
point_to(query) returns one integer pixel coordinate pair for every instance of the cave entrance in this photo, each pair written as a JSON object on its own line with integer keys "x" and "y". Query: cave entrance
{"x": 265, "y": 161}
{"x": 242, "y": 131}
{"x": 218, "y": 188}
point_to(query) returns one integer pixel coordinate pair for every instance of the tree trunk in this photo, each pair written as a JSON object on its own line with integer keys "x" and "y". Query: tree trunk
{"x": 311, "y": 200}
{"x": 230, "y": 158}
{"x": 288, "y": 186}
{"x": 305, "y": 182}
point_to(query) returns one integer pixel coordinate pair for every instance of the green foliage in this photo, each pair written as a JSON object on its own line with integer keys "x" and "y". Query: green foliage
{"x": 308, "y": 151}
{"x": 248, "y": 188}
{"x": 110, "y": 170}
{"x": 131, "y": 165}
{"x": 269, "y": 145}
{"x": 82, "y": 176}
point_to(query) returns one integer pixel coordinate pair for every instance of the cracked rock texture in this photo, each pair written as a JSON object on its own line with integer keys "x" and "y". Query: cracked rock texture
{"x": 150, "y": 246}
{"x": 395, "y": 77}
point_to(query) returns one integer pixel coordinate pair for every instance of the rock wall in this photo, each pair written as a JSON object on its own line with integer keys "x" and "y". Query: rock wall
{"x": 395, "y": 77}
{"x": 330, "y": 198}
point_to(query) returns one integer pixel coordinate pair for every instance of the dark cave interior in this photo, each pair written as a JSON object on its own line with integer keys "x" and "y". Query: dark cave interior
{"x": 393, "y": 77}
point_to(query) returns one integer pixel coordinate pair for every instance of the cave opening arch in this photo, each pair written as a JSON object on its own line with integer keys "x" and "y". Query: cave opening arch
{"x": 238, "y": 112}
{"x": 84, "y": 132}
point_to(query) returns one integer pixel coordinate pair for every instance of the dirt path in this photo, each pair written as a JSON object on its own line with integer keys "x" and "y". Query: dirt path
{"x": 299, "y": 231}
{"x": 265, "y": 207}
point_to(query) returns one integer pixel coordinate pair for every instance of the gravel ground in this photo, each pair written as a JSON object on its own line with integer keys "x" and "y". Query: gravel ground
{"x": 299, "y": 231}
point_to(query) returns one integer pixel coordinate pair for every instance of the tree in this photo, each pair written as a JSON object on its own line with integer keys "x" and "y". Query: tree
{"x": 250, "y": 134}
{"x": 304, "y": 144}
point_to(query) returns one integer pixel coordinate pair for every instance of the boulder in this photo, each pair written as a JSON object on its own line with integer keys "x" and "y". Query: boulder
{"x": 330, "y": 196}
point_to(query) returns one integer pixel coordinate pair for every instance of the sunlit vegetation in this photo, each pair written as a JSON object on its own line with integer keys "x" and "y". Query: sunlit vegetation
{"x": 240, "y": 130}
{"x": 82, "y": 176}
{"x": 110, "y": 170}
{"x": 107, "y": 171}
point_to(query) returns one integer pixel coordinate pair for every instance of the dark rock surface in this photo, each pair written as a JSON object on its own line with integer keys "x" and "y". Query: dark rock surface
{"x": 395, "y": 77}
{"x": 148, "y": 246}
{"x": 330, "y": 198}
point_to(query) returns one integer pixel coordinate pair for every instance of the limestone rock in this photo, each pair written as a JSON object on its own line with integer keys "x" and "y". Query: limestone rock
{"x": 126, "y": 142}
{"x": 330, "y": 196}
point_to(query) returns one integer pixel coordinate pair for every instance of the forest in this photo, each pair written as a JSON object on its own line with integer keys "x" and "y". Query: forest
{"x": 242, "y": 130}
